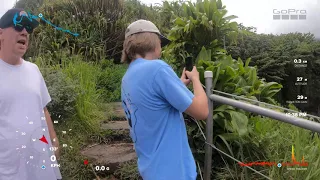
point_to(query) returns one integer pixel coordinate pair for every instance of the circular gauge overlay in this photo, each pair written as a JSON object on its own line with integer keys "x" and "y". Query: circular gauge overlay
{"x": 7, "y": 150}
{"x": 37, "y": 149}
{"x": 32, "y": 146}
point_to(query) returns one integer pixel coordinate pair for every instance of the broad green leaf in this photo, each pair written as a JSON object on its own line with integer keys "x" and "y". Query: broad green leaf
{"x": 255, "y": 92}
{"x": 219, "y": 119}
{"x": 186, "y": 28}
{"x": 216, "y": 77}
{"x": 206, "y": 7}
{"x": 230, "y": 71}
{"x": 239, "y": 122}
{"x": 270, "y": 86}
{"x": 223, "y": 108}
{"x": 199, "y": 62}
{"x": 247, "y": 62}
{"x": 269, "y": 100}
{"x": 201, "y": 73}
{"x": 179, "y": 21}
{"x": 219, "y": 4}
{"x": 258, "y": 126}
{"x": 230, "y": 136}
{"x": 210, "y": 68}
{"x": 241, "y": 81}
{"x": 227, "y": 144}
{"x": 252, "y": 76}
{"x": 230, "y": 17}
{"x": 202, "y": 55}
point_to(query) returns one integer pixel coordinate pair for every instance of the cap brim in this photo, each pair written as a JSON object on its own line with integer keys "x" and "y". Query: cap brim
{"x": 164, "y": 41}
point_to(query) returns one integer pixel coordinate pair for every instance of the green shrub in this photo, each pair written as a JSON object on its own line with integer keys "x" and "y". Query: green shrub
{"x": 280, "y": 140}
{"x": 109, "y": 81}
{"x": 62, "y": 92}
{"x": 232, "y": 127}
{"x": 88, "y": 103}
{"x": 73, "y": 88}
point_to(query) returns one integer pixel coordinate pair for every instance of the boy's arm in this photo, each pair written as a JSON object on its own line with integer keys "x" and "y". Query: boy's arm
{"x": 170, "y": 87}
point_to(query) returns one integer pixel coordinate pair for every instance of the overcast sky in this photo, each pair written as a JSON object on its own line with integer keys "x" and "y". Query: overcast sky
{"x": 257, "y": 13}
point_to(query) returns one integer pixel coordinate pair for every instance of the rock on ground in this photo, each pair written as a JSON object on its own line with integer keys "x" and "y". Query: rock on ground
{"x": 111, "y": 155}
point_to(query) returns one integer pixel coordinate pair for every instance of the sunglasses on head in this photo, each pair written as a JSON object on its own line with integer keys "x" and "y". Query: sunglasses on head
{"x": 20, "y": 27}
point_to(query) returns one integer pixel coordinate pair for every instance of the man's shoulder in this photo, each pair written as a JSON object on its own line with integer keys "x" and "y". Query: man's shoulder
{"x": 31, "y": 64}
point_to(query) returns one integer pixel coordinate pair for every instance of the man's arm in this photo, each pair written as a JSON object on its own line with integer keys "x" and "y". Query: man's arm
{"x": 52, "y": 132}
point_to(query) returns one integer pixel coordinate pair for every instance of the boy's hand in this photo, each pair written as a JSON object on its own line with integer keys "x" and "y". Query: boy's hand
{"x": 193, "y": 75}
{"x": 184, "y": 78}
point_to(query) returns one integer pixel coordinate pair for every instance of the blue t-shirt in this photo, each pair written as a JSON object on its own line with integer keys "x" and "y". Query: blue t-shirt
{"x": 153, "y": 98}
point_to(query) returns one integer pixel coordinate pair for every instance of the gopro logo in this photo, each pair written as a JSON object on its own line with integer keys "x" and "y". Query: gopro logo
{"x": 289, "y": 14}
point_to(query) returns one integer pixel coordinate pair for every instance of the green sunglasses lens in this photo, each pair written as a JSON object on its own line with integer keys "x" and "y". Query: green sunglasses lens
{"x": 20, "y": 27}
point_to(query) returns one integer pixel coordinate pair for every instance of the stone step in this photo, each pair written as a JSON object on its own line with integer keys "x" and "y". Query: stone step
{"x": 110, "y": 155}
{"x": 118, "y": 110}
{"x": 115, "y": 125}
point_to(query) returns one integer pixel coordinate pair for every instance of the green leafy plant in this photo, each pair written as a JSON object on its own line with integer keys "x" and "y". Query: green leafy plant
{"x": 200, "y": 24}
{"x": 62, "y": 92}
{"x": 200, "y": 33}
{"x": 109, "y": 81}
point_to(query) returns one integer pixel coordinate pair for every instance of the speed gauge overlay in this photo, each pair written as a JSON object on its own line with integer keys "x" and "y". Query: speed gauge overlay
{"x": 37, "y": 151}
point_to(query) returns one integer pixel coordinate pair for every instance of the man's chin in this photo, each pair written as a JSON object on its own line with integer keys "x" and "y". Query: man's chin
{"x": 20, "y": 53}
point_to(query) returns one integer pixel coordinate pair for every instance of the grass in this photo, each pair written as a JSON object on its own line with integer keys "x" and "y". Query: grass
{"x": 71, "y": 161}
{"x": 128, "y": 171}
{"x": 88, "y": 96}
{"x": 276, "y": 140}
{"x": 273, "y": 138}
{"x": 90, "y": 112}
{"x": 271, "y": 141}
{"x": 85, "y": 124}
{"x": 282, "y": 137}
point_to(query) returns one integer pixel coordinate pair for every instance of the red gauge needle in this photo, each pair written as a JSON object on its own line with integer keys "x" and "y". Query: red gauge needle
{"x": 43, "y": 139}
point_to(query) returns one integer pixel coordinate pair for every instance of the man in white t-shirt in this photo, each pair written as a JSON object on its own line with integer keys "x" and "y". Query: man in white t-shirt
{"x": 28, "y": 142}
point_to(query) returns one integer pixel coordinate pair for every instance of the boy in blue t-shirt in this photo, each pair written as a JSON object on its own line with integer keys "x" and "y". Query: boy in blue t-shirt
{"x": 154, "y": 98}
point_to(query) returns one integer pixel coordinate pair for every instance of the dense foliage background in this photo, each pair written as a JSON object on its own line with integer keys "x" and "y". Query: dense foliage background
{"x": 83, "y": 74}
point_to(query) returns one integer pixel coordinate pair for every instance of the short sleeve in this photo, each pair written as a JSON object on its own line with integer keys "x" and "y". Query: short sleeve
{"x": 170, "y": 87}
{"x": 45, "y": 96}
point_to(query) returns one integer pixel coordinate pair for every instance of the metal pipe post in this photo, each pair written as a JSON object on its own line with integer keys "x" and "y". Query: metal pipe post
{"x": 209, "y": 127}
{"x": 303, "y": 123}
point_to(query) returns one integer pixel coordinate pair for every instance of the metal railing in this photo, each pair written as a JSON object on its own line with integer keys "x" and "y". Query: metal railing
{"x": 208, "y": 75}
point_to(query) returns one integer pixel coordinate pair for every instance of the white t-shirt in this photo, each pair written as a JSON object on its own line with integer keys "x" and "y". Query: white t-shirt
{"x": 23, "y": 95}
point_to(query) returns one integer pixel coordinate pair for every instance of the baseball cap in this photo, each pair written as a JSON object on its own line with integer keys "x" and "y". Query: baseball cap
{"x": 141, "y": 26}
{"x": 7, "y": 19}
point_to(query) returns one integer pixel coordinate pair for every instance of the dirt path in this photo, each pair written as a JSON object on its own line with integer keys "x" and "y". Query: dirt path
{"x": 117, "y": 151}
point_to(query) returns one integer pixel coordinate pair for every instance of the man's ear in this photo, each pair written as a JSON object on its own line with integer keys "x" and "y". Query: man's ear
{"x": 1, "y": 32}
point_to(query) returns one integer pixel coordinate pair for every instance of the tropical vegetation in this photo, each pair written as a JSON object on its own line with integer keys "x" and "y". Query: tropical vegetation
{"x": 83, "y": 73}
